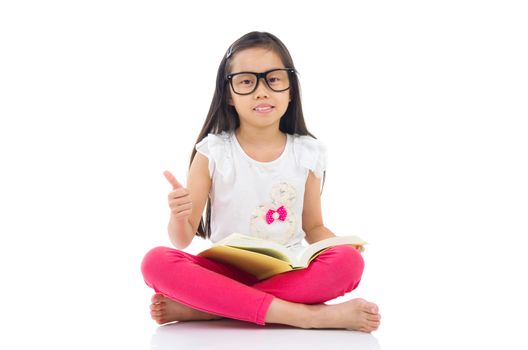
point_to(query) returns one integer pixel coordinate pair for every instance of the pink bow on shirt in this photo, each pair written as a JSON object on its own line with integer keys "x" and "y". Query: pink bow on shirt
{"x": 282, "y": 214}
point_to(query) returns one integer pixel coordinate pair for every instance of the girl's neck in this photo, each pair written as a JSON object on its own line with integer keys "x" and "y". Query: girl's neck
{"x": 261, "y": 145}
{"x": 259, "y": 137}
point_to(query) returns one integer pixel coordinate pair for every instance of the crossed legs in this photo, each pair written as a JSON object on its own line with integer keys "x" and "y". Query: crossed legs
{"x": 190, "y": 287}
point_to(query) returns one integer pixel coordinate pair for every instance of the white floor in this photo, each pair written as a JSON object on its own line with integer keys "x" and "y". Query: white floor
{"x": 230, "y": 334}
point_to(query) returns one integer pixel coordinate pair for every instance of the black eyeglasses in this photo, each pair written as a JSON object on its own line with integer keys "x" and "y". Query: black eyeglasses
{"x": 245, "y": 83}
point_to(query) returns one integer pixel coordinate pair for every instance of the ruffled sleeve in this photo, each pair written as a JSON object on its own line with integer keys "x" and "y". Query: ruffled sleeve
{"x": 311, "y": 154}
{"x": 217, "y": 149}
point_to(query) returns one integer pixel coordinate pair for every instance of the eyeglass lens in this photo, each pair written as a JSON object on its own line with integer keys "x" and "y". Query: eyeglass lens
{"x": 245, "y": 83}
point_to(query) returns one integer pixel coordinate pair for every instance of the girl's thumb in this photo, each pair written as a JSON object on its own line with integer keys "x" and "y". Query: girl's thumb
{"x": 175, "y": 184}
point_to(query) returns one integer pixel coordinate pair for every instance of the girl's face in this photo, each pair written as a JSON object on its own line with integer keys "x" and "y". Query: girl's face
{"x": 263, "y": 108}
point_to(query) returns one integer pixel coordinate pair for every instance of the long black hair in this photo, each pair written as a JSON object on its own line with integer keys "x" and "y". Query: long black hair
{"x": 223, "y": 117}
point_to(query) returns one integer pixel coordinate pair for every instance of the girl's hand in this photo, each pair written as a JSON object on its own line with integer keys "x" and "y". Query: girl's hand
{"x": 179, "y": 198}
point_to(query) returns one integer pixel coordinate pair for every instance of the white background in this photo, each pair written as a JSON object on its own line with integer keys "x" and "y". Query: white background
{"x": 422, "y": 105}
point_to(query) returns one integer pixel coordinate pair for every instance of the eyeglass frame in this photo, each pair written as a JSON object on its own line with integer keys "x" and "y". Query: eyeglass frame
{"x": 229, "y": 78}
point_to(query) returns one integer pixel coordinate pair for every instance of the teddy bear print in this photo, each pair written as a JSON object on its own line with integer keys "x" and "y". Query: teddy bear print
{"x": 275, "y": 220}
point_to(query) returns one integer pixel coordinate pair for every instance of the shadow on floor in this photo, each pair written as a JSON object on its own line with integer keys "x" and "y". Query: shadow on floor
{"x": 231, "y": 334}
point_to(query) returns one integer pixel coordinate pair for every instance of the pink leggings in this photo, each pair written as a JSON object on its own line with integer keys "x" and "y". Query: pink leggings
{"x": 224, "y": 290}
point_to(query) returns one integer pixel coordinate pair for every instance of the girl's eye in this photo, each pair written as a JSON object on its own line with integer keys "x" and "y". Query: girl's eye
{"x": 273, "y": 80}
{"x": 244, "y": 80}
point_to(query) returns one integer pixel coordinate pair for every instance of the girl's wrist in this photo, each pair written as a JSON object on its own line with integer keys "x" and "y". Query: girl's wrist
{"x": 182, "y": 220}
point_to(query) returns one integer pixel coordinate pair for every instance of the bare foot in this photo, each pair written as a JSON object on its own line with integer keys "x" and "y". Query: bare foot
{"x": 163, "y": 310}
{"x": 356, "y": 315}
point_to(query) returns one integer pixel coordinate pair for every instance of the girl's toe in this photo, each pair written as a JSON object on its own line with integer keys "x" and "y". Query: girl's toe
{"x": 156, "y": 298}
{"x": 374, "y": 318}
{"x": 156, "y": 307}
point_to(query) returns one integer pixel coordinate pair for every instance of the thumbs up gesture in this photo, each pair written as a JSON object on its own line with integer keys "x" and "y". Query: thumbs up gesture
{"x": 179, "y": 198}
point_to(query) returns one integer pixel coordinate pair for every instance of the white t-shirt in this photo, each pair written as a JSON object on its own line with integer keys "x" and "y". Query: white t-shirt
{"x": 260, "y": 199}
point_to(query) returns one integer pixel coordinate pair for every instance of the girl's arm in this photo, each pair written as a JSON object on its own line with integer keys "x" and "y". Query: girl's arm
{"x": 182, "y": 232}
{"x": 312, "y": 218}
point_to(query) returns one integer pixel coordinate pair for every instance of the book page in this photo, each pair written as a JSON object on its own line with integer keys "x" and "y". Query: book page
{"x": 306, "y": 255}
{"x": 257, "y": 244}
{"x": 266, "y": 251}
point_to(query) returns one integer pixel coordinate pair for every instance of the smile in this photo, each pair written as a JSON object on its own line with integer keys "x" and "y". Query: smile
{"x": 266, "y": 108}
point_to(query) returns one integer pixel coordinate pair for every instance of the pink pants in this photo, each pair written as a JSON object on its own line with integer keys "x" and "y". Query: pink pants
{"x": 223, "y": 290}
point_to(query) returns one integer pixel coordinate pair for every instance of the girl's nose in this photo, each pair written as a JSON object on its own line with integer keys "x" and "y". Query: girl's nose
{"x": 262, "y": 89}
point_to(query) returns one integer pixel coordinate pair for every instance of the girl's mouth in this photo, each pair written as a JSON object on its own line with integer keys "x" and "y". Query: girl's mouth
{"x": 263, "y": 108}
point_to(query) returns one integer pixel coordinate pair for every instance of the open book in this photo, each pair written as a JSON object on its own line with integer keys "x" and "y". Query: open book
{"x": 263, "y": 258}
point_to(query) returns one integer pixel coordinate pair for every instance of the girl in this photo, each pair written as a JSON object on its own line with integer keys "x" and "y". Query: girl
{"x": 255, "y": 158}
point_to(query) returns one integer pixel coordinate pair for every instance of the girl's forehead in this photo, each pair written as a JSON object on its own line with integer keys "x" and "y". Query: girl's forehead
{"x": 255, "y": 60}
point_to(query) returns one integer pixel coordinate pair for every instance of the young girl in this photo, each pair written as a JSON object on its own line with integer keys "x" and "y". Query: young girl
{"x": 258, "y": 170}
